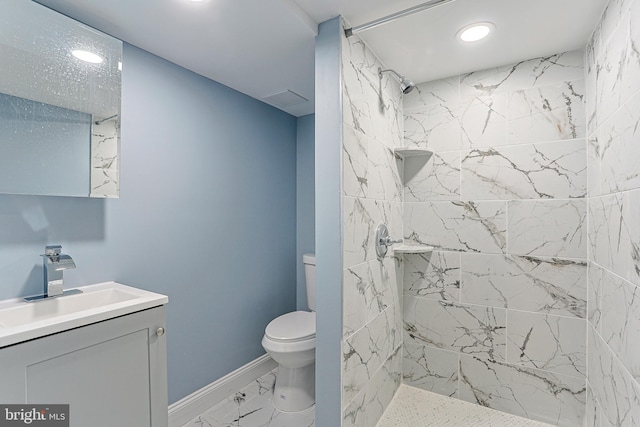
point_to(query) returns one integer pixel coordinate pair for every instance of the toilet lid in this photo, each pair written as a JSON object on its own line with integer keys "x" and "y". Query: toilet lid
{"x": 294, "y": 326}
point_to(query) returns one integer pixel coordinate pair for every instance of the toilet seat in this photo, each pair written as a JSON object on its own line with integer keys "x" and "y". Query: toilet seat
{"x": 292, "y": 327}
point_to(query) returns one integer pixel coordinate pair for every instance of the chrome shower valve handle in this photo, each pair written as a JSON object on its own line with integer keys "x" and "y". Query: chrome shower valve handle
{"x": 389, "y": 241}
{"x": 383, "y": 240}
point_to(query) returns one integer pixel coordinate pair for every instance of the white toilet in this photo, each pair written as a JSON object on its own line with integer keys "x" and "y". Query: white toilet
{"x": 290, "y": 340}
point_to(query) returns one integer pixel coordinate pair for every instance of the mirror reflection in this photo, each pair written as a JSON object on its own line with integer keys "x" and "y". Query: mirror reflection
{"x": 59, "y": 104}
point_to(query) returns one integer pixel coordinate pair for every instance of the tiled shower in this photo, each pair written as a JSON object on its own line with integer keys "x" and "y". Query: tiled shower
{"x": 530, "y": 198}
{"x": 495, "y": 315}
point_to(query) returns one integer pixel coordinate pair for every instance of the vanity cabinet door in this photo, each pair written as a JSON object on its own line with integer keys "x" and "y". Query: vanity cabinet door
{"x": 111, "y": 373}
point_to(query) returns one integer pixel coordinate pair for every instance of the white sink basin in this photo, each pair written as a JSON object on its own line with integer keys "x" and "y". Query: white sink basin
{"x": 21, "y": 321}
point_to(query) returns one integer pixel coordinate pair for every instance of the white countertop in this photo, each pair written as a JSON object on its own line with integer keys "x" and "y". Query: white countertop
{"x": 21, "y": 321}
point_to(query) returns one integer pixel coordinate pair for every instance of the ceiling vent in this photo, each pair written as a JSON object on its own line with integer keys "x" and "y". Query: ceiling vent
{"x": 284, "y": 99}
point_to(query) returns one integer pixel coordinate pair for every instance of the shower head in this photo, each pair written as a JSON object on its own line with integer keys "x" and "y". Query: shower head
{"x": 406, "y": 85}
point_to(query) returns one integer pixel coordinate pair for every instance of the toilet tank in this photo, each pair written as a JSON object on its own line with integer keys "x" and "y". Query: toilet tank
{"x": 309, "y": 261}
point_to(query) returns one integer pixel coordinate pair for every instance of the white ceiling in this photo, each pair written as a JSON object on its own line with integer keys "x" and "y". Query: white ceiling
{"x": 264, "y": 47}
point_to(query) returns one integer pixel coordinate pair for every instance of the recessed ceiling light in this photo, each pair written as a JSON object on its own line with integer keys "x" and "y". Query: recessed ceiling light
{"x": 475, "y": 32}
{"x": 85, "y": 55}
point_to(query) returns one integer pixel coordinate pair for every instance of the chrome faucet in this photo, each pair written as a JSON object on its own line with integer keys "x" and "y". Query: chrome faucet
{"x": 54, "y": 263}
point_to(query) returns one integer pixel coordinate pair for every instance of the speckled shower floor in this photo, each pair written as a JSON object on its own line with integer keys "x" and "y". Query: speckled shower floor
{"x": 413, "y": 407}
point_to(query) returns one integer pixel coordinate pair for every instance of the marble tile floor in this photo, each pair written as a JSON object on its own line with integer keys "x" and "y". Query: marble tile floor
{"x": 410, "y": 407}
{"x": 252, "y": 407}
{"x": 413, "y": 407}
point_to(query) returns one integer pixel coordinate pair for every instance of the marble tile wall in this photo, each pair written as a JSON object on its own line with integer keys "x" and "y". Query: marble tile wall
{"x": 105, "y": 165}
{"x": 613, "y": 311}
{"x": 372, "y": 195}
{"x": 496, "y": 315}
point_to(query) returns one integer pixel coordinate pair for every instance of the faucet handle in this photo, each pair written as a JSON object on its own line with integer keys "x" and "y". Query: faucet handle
{"x": 53, "y": 250}
{"x": 390, "y": 241}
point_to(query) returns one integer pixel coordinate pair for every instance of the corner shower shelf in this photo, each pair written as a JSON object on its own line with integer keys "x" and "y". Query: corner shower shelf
{"x": 412, "y": 249}
{"x": 404, "y": 152}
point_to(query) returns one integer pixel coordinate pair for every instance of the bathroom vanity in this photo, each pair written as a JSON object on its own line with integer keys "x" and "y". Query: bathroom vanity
{"x": 106, "y": 359}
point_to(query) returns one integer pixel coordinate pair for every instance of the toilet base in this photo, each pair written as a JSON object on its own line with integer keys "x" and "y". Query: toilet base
{"x": 295, "y": 388}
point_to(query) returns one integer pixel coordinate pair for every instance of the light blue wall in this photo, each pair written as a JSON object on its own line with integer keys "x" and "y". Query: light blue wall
{"x": 305, "y": 201}
{"x": 206, "y": 215}
{"x": 328, "y": 160}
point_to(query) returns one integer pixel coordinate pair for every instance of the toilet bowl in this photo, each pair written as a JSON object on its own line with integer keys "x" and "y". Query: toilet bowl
{"x": 290, "y": 340}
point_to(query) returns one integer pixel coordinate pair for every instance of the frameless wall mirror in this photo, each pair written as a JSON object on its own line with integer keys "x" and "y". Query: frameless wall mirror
{"x": 59, "y": 104}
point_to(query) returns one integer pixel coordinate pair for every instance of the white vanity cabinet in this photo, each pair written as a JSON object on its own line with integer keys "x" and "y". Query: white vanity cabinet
{"x": 111, "y": 373}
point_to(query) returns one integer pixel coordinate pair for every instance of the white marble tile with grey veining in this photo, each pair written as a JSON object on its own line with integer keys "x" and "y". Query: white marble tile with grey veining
{"x": 621, "y": 320}
{"x": 463, "y": 328}
{"x": 610, "y": 61}
{"x": 385, "y": 173}
{"x": 430, "y": 368}
{"x": 594, "y": 301}
{"x": 105, "y": 159}
{"x": 547, "y": 113}
{"x": 368, "y": 406}
{"x": 592, "y": 49}
{"x": 542, "y": 285}
{"x": 484, "y": 121}
{"x": 234, "y": 407}
{"x": 613, "y": 152}
{"x": 531, "y": 171}
{"x": 591, "y": 82}
{"x": 613, "y": 387}
{"x": 371, "y": 105}
{"x": 525, "y": 74}
{"x": 604, "y": 422}
{"x": 361, "y": 217}
{"x": 594, "y": 161}
{"x": 594, "y": 411}
{"x": 632, "y": 72}
{"x": 555, "y": 228}
{"x": 614, "y": 233}
{"x": 364, "y": 352}
{"x": 436, "y": 127}
{"x": 433, "y": 92}
{"x": 616, "y": 12}
{"x": 552, "y": 343}
{"x": 105, "y": 183}
{"x": 604, "y": 211}
{"x": 104, "y": 145}
{"x": 355, "y": 163}
{"x": 539, "y": 395}
{"x": 618, "y": 66}
{"x": 258, "y": 412}
{"x": 359, "y": 221}
{"x": 368, "y": 289}
{"x": 433, "y": 275}
{"x": 457, "y": 226}
{"x": 430, "y": 178}
{"x": 370, "y": 169}
{"x": 252, "y": 406}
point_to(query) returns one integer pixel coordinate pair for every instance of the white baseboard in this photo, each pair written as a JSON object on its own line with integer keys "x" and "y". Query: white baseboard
{"x": 199, "y": 401}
